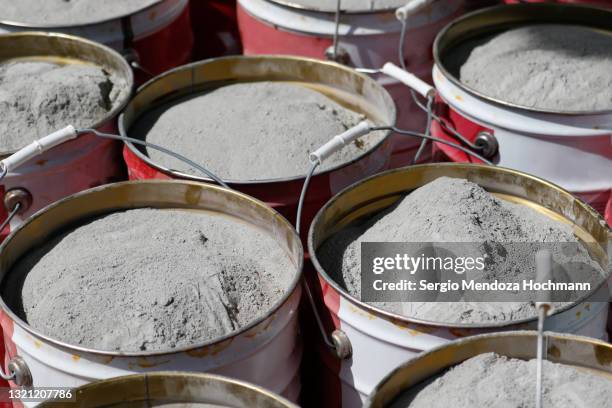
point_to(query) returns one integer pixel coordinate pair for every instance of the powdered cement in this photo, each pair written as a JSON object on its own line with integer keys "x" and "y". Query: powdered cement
{"x": 251, "y": 131}
{"x": 149, "y": 279}
{"x": 554, "y": 67}
{"x": 37, "y": 98}
{"x": 68, "y": 12}
{"x": 491, "y": 380}
{"x": 456, "y": 210}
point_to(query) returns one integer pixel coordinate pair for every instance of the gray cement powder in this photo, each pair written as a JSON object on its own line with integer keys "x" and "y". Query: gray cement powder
{"x": 456, "y": 210}
{"x": 250, "y": 131}
{"x": 68, "y": 12}
{"x": 491, "y": 380}
{"x": 148, "y": 279}
{"x": 554, "y": 67}
{"x": 37, "y": 98}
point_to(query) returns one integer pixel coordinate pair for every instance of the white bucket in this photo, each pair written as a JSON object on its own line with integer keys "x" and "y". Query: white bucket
{"x": 267, "y": 352}
{"x": 380, "y": 340}
{"x": 571, "y": 149}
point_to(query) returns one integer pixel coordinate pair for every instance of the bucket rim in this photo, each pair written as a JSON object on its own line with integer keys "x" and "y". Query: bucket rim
{"x": 469, "y": 341}
{"x": 33, "y": 26}
{"x": 129, "y": 379}
{"x": 126, "y": 71}
{"x": 394, "y": 317}
{"x": 292, "y": 288}
{"x": 123, "y": 128}
{"x": 292, "y": 4}
{"x": 512, "y": 16}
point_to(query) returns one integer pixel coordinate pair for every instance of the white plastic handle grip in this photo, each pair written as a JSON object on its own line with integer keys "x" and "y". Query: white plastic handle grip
{"x": 408, "y": 79}
{"x": 411, "y": 8}
{"x": 339, "y": 141}
{"x": 544, "y": 265}
{"x": 38, "y": 147}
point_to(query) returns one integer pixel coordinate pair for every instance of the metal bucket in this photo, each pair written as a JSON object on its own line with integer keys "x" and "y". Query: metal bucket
{"x": 344, "y": 85}
{"x": 81, "y": 163}
{"x": 580, "y": 352}
{"x": 158, "y": 37}
{"x": 267, "y": 352}
{"x": 367, "y": 39}
{"x": 172, "y": 389}
{"x": 530, "y": 140}
{"x": 381, "y": 340}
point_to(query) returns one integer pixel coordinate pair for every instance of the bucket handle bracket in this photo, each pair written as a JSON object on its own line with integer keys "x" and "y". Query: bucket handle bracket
{"x": 19, "y": 372}
{"x": 338, "y": 341}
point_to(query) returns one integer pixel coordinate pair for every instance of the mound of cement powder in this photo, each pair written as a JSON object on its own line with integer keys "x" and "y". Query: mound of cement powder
{"x": 491, "y": 380}
{"x": 250, "y": 131}
{"x": 68, "y": 12}
{"x": 348, "y": 5}
{"x": 37, "y": 98}
{"x": 458, "y": 211}
{"x": 148, "y": 279}
{"x": 555, "y": 67}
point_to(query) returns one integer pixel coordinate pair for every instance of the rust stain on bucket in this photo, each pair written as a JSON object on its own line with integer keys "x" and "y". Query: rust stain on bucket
{"x": 144, "y": 362}
{"x": 192, "y": 195}
{"x": 211, "y": 350}
{"x": 76, "y": 358}
{"x": 603, "y": 355}
{"x": 554, "y": 351}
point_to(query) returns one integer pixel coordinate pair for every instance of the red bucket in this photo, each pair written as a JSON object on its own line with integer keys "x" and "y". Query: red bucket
{"x": 347, "y": 86}
{"x": 368, "y": 39}
{"x": 81, "y": 163}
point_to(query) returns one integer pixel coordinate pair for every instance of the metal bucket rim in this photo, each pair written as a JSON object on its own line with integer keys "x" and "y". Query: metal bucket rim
{"x": 430, "y": 323}
{"x": 127, "y": 70}
{"x": 293, "y": 5}
{"x": 291, "y": 289}
{"x": 30, "y": 26}
{"x": 133, "y": 149}
{"x": 474, "y": 338}
{"x": 542, "y": 8}
{"x": 191, "y": 375}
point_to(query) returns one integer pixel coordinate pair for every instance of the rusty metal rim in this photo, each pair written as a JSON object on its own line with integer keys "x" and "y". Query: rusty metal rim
{"x": 241, "y": 196}
{"x": 129, "y": 381}
{"x": 127, "y": 70}
{"x": 174, "y": 173}
{"x": 409, "y": 320}
{"x": 31, "y": 26}
{"x": 467, "y": 342}
{"x": 297, "y": 6}
{"x": 472, "y": 24}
